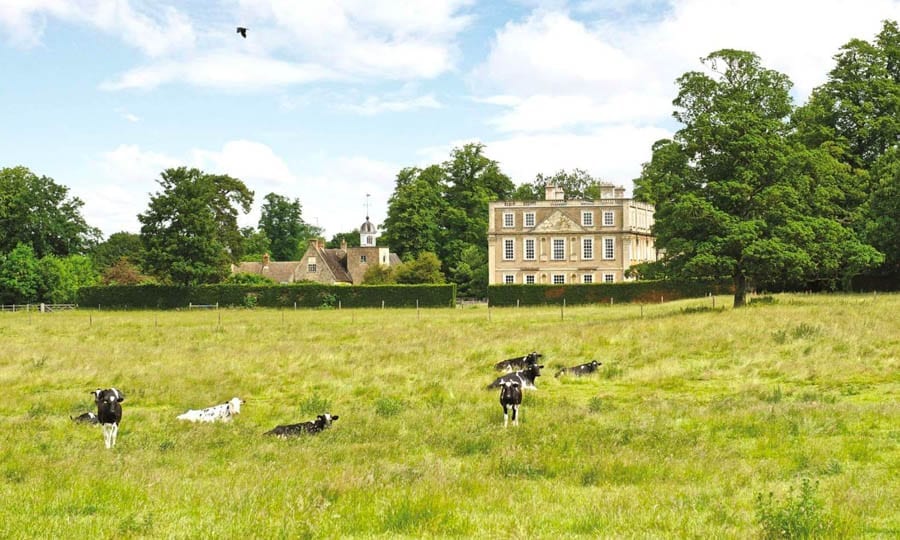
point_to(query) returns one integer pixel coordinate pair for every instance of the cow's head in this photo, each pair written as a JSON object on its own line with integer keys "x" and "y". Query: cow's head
{"x": 234, "y": 405}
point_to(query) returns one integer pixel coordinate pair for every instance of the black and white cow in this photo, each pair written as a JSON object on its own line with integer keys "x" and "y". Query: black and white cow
{"x": 510, "y": 398}
{"x": 292, "y": 430}
{"x": 525, "y": 377}
{"x": 109, "y": 413}
{"x": 216, "y": 413}
{"x": 86, "y": 418}
{"x": 581, "y": 369}
{"x": 519, "y": 362}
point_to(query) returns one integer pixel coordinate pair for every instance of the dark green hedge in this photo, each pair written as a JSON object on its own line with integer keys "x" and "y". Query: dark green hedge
{"x": 602, "y": 293}
{"x": 301, "y": 295}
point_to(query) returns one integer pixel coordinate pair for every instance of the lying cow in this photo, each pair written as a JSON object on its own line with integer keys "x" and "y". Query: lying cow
{"x": 292, "y": 430}
{"x": 86, "y": 418}
{"x": 519, "y": 362}
{"x": 510, "y": 397}
{"x": 524, "y": 377}
{"x": 216, "y": 413}
{"x": 582, "y": 369}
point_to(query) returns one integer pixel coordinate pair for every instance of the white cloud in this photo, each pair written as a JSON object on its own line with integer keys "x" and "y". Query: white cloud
{"x": 596, "y": 93}
{"x": 235, "y": 71}
{"x": 154, "y": 33}
{"x": 612, "y": 153}
{"x": 373, "y": 105}
{"x": 332, "y": 197}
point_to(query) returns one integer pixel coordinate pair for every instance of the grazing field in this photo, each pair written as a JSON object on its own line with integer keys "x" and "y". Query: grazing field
{"x": 695, "y": 417}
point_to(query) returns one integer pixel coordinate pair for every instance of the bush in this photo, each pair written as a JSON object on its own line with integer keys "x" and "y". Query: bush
{"x": 799, "y": 516}
{"x": 602, "y": 293}
{"x": 308, "y": 295}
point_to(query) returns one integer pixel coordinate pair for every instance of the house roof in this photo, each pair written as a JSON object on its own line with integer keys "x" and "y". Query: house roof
{"x": 279, "y": 272}
{"x": 336, "y": 259}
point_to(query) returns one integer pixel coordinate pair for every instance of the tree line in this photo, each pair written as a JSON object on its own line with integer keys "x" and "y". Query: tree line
{"x": 751, "y": 188}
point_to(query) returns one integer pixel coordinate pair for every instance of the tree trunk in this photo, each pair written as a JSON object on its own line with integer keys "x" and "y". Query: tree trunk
{"x": 740, "y": 290}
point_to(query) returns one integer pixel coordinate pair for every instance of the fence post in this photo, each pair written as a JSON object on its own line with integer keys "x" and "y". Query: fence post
{"x": 642, "y": 311}
{"x": 382, "y": 304}
{"x": 562, "y": 310}
{"x": 517, "y": 303}
{"x": 190, "y": 306}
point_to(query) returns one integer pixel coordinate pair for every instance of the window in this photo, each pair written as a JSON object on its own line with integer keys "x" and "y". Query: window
{"x": 509, "y": 279}
{"x": 509, "y": 219}
{"x": 609, "y": 278}
{"x": 529, "y": 279}
{"x": 587, "y": 278}
{"x": 608, "y": 219}
{"x": 311, "y": 265}
{"x": 529, "y": 219}
{"x": 587, "y": 248}
{"x": 559, "y": 249}
{"x": 559, "y": 279}
{"x": 370, "y": 240}
{"x": 362, "y": 258}
{"x": 609, "y": 248}
{"x": 509, "y": 252}
{"x": 529, "y": 249}
{"x": 587, "y": 219}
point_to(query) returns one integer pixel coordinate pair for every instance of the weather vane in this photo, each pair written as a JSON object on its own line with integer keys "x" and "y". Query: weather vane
{"x": 367, "y": 205}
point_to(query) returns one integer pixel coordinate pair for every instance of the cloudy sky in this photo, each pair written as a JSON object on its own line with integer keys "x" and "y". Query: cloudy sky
{"x": 327, "y": 100}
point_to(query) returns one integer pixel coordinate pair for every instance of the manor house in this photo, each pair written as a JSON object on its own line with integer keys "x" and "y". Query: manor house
{"x": 560, "y": 241}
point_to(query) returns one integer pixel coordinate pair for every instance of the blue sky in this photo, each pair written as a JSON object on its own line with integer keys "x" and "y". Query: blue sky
{"x": 326, "y": 101}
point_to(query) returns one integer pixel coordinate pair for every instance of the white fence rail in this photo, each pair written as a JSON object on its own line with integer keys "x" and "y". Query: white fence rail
{"x": 42, "y": 308}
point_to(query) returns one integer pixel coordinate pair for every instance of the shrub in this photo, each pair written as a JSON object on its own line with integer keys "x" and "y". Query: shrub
{"x": 799, "y": 516}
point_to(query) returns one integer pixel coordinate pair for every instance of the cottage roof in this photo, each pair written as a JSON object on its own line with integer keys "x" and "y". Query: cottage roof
{"x": 279, "y": 272}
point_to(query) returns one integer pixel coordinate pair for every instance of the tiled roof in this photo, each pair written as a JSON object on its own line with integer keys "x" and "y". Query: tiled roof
{"x": 279, "y": 272}
{"x": 336, "y": 259}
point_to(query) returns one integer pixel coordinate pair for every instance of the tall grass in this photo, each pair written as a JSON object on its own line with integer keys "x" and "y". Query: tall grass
{"x": 693, "y": 415}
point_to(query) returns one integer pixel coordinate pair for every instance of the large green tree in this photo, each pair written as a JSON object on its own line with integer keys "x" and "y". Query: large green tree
{"x": 473, "y": 181}
{"x": 856, "y": 115}
{"x": 20, "y": 278}
{"x": 36, "y": 211}
{"x": 190, "y": 232}
{"x": 282, "y": 222}
{"x": 735, "y": 196}
{"x": 414, "y": 212}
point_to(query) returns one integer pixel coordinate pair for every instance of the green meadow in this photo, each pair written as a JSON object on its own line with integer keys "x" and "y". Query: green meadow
{"x": 779, "y": 419}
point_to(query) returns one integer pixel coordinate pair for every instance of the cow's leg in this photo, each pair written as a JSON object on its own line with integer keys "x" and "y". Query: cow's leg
{"x": 106, "y": 434}
{"x": 114, "y": 434}
{"x": 515, "y": 414}
{"x": 505, "y": 416}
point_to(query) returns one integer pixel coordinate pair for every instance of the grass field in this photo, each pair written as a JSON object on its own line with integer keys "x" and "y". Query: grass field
{"x": 696, "y": 415}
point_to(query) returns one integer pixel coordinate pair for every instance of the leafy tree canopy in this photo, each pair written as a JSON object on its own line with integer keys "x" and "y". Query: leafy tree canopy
{"x": 352, "y": 239}
{"x": 282, "y": 223}
{"x": 577, "y": 184}
{"x": 426, "y": 268}
{"x": 117, "y": 246}
{"x": 36, "y": 211}
{"x": 735, "y": 196}
{"x": 190, "y": 232}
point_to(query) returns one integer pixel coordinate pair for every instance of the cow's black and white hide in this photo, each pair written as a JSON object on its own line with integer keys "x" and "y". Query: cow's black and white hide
{"x": 292, "y": 430}
{"x": 525, "y": 377}
{"x": 216, "y": 413}
{"x": 581, "y": 369}
{"x": 519, "y": 362}
{"x": 109, "y": 413}
{"x": 510, "y": 398}
{"x": 86, "y": 418}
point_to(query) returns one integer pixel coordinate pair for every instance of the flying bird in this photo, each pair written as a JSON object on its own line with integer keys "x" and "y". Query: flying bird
{"x": 242, "y": 31}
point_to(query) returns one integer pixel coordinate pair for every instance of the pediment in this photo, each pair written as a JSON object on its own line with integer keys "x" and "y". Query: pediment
{"x": 558, "y": 222}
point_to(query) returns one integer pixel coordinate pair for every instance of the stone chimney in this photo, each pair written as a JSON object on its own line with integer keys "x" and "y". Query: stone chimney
{"x": 554, "y": 193}
{"x": 343, "y": 245}
{"x": 265, "y": 260}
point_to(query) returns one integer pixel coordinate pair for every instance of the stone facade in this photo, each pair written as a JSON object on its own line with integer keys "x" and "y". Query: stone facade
{"x": 568, "y": 241}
